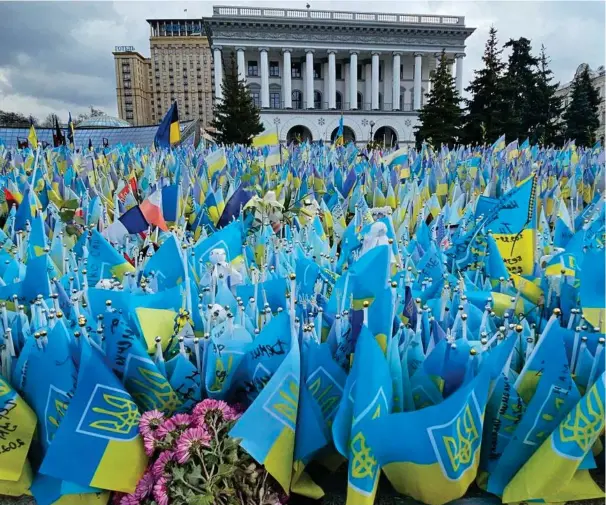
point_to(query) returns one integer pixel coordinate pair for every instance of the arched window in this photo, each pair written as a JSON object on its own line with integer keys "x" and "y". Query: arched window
{"x": 255, "y": 93}
{"x": 297, "y": 99}
{"x": 360, "y": 101}
{"x": 339, "y": 101}
{"x": 317, "y": 99}
{"x": 275, "y": 96}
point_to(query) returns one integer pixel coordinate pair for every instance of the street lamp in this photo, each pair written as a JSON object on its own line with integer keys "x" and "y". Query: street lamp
{"x": 372, "y": 125}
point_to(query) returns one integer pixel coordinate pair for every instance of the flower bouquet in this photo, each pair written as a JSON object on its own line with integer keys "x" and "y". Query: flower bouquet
{"x": 193, "y": 461}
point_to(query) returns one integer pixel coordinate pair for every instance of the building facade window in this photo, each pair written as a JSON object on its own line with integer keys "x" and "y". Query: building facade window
{"x": 274, "y": 99}
{"x": 360, "y": 101}
{"x": 256, "y": 97}
{"x": 253, "y": 68}
{"x": 274, "y": 69}
{"x": 360, "y": 72}
{"x": 339, "y": 71}
{"x": 296, "y": 70}
{"x": 297, "y": 99}
{"x": 339, "y": 101}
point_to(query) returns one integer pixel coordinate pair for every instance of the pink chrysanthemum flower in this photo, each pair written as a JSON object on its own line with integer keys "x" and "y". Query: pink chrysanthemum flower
{"x": 182, "y": 421}
{"x": 159, "y": 467}
{"x": 213, "y": 408}
{"x": 129, "y": 499}
{"x": 165, "y": 428}
{"x": 161, "y": 491}
{"x": 145, "y": 486}
{"x": 149, "y": 444}
{"x": 116, "y": 497}
{"x": 150, "y": 421}
{"x": 189, "y": 441}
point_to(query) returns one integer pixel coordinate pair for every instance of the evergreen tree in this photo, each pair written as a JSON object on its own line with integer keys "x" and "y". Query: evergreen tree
{"x": 441, "y": 118}
{"x": 582, "y": 118}
{"x": 547, "y": 106}
{"x": 483, "y": 121}
{"x": 236, "y": 117}
{"x": 520, "y": 87}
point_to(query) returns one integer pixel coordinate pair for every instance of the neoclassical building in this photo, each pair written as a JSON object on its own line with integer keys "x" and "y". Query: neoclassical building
{"x": 307, "y": 67}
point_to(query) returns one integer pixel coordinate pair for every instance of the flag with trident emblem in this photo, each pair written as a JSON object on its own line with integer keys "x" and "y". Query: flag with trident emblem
{"x": 98, "y": 442}
{"x": 442, "y": 445}
{"x": 370, "y": 397}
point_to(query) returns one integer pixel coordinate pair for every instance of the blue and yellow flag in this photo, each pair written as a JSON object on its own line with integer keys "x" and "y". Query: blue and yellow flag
{"x": 127, "y": 355}
{"x": 441, "y": 446}
{"x": 552, "y": 474}
{"x": 513, "y": 226}
{"x": 99, "y": 431}
{"x": 104, "y": 261}
{"x": 267, "y": 429}
{"x": 267, "y": 138}
{"x": 373, "y": 400}
{"x": 168, "y": 132}
{"x": 18, "y": 426}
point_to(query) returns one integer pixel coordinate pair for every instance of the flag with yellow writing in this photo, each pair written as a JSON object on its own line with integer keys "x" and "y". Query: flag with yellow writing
{"x": 267, "y": 429}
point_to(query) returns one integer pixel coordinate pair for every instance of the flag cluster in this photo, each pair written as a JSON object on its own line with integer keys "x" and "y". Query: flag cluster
{"x": 436, "y": 316}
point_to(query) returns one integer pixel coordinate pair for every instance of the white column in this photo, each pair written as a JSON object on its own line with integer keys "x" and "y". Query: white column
{"x": 417, "y": 81}
{"x": 459, "y": 74}
{"x": 332, "y": 80}
{"x": 218, "y": 73}
{"x": 309, "y": 75}
{"x": 287, "y": 79}
{"x": 241, "y": 64}
{"x": 367, "y": 85}
{"x": 353, "y": 80}
{"x": 395, "y": 99}
{"x": 375, "y": 81}
{"x": 303, "y": 85}
{"x": 325, "y": 89}
{"x": 264, "y": 78}
{"x": 347, "y": 94}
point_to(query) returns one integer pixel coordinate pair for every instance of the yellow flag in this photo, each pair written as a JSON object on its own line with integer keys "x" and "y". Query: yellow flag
{"x": 33, "y": 139}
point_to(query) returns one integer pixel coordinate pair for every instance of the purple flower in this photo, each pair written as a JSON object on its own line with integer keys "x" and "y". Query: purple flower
{"x": 165, "y": 428}
{"x": 161, "y": 491}
{"x": 159, "y": 467}
{"x": 149, "y": 444}
{"x": 189, "y": 441}
{"x": 213, "y": 408}
{"x": 150, "y": 421}
{"x": 145, "y": 486}
{"x": 182, "y": 421}
{"x": 129, "y": 499}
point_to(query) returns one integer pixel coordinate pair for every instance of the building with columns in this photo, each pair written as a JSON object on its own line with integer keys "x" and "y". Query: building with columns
{"x": 305, "y": 68}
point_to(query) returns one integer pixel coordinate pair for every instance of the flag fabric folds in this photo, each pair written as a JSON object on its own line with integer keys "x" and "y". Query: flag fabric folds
{"x": 169, "y": 132}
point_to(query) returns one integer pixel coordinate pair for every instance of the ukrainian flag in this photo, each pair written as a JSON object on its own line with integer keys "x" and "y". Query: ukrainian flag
{"x": 215, "y": 161}
{"x": 441, "y": 446}
{"x": 513, "y": 226}
{"x": 169, "y": 133}
{"x": 273, "y": 156}
{"x": 229, "y": 239}
{"x": 19, "y": 424}
{"x": 267, "y": 138}
{"x": 267, "y": 428}
{"x": 593, "y": 297}
{"x": 98, "y": 443}
{"x": 105, "y": 261}
{"x": 499, "y": 145}
{"x": 552, "y": 474}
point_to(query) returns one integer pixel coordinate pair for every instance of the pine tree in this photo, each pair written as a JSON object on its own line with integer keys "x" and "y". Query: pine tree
{"x": 520, "y": 87}
{"x": 441, "y": 118}
{"x": 236, "y": 117}
{"x": 483, "y": 118}
{"x": 547, "y": 106}
{"x": 582, "y": 118}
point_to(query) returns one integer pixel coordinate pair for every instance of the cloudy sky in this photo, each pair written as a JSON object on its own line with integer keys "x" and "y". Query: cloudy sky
{"x": 57, "y": 56}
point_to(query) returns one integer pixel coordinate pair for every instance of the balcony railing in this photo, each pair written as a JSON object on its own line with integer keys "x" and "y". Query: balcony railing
{"x": 356, "y": 17}
{"x": 366, "y": 107}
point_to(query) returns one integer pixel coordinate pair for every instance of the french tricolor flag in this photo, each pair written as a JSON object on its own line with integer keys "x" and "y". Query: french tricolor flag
{"x": 152, "y": 210}
{"x": 138, "y": 219}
